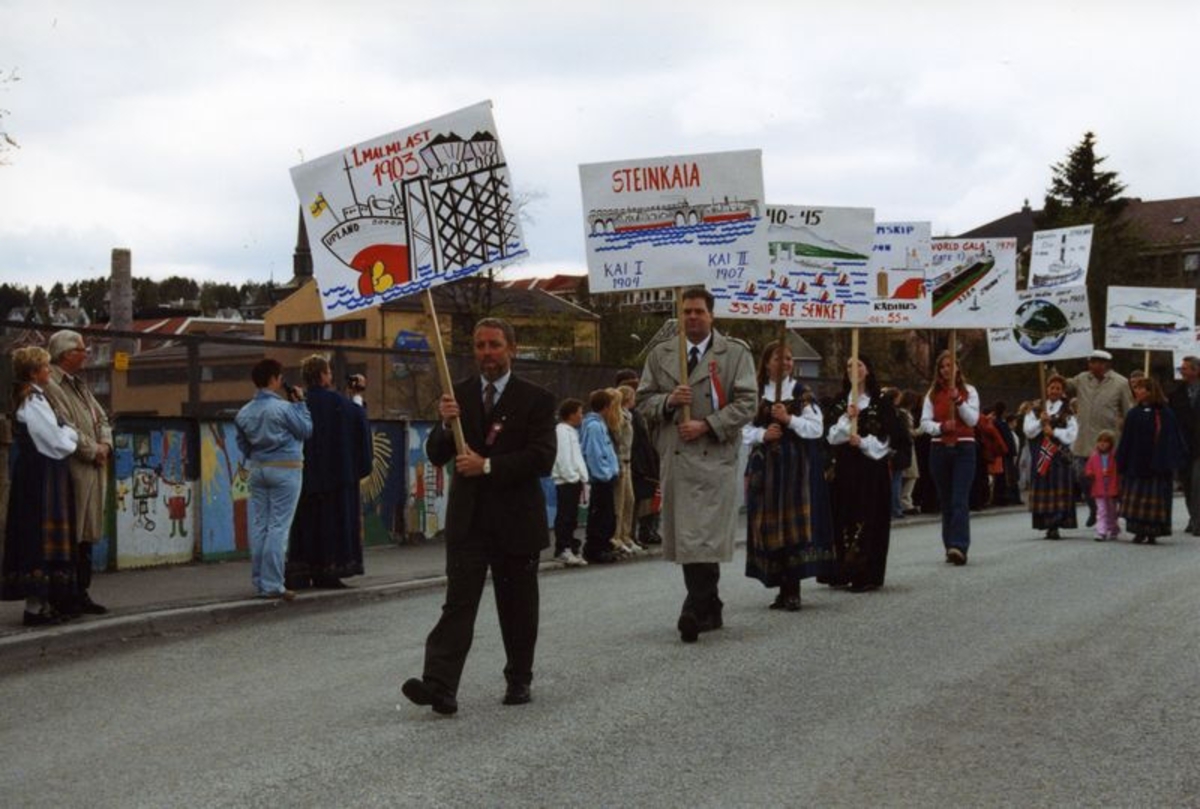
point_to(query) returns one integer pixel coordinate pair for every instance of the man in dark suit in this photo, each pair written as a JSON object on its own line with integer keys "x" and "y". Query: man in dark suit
{"x": 496, "y": 517}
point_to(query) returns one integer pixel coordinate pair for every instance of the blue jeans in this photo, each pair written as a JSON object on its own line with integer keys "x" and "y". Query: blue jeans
{"x": 274, "y": 493}
{"x": 953, "y": 471}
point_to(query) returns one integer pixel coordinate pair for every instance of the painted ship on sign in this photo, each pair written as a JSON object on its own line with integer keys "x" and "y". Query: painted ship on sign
{"x": 1144, "y": 325}
{"x": 958, "y": 281}
{"x": 1057, "y": 274}
{"x": 369, "y": 239}
{"x": 1152, "y": 316}
{"x": 681, "y": 214}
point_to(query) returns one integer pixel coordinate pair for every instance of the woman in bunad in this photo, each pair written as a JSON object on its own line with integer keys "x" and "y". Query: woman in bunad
{"x": 789, "y": 528}
{"x": 949, "y": 415}
{"x": 1051, "y": 429}
{"x": 862, "y": 482}
{"x": 1150, "y": 451}
{"x": 40, "y": 547}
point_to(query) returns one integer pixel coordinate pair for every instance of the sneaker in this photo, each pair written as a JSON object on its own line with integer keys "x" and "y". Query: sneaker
{"x": 1101, "y": 538}
{"x": 956, "y": 557}
{"x": 635, "y": 548}
{"x": 569, "y": 559}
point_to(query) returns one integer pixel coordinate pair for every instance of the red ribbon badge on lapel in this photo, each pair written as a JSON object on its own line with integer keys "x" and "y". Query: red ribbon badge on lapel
{"x": 717, "y": 391}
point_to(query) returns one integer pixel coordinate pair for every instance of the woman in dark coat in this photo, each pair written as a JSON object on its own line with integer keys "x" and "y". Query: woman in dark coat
{"x": 40, "y": 549}
{"x": 788, "y": 523}
{"x": 1150, "y": 452}
{"x": 1051, "y": 429}
{"x": 862, "y": 432}
{"x": 326, "y": 539}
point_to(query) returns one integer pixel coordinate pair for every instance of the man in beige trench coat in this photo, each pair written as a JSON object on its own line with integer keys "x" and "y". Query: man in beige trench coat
{"x": 74, "y": 403}
{"x": 699, "y": 457}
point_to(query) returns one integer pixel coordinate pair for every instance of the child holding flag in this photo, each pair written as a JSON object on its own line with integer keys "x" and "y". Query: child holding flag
{"x": 1051, "y": 429}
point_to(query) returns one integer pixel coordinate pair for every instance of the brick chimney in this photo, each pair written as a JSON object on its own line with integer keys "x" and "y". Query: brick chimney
{"x": 120, "y": 294}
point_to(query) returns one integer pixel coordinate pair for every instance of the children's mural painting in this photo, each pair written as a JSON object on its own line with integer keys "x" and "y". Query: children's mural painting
{"x": 154, "y": 485}
{"x": 181, "y": 492}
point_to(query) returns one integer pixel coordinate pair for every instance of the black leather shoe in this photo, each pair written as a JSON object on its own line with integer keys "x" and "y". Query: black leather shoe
{"x": 89, "y": 607}
{"x": 792, "y": 603}
{"x": 688, "y": 626}
{"x": 517, "y": 694}
{"x": 779, "y": 603}
{"x": 420, "y": 692}
{"x": 41, "y": 619}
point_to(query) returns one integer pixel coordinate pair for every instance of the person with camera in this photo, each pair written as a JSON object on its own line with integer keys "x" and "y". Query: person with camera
{"x": 356, "y": 386}
{"x": 271, "y": 430}
{"x": 326, "y": 538}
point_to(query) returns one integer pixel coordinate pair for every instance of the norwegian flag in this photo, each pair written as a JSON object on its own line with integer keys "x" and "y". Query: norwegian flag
{"x": 1046, "y": 453}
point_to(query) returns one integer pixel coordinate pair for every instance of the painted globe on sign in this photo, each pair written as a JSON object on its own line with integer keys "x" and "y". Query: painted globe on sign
{"x": 1040, "y": 327}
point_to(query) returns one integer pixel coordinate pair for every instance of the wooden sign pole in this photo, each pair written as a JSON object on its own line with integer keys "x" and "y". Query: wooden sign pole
{"x": 954, "y": 374}
{"x": 783, "y": 333}
{"x": 854, "y": 377}
{"x": 439, "y": 350}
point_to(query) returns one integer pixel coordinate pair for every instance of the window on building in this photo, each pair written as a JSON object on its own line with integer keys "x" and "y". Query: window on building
{"x": 1191, "y": 262}
{"x": 321, "y": 332}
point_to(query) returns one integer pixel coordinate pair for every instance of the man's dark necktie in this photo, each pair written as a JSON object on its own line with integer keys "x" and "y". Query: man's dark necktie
{"x": 693, "y": 358}
{"x": 489, "y": 400}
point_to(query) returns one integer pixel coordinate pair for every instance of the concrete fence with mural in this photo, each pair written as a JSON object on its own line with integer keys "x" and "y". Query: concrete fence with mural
{"x": 179, "y": 492}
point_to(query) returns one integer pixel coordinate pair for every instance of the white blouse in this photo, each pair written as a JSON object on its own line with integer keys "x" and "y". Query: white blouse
{"x": 873, "y": 447}
{"x": 1064, "y": 435}
{"x": 51, "y": 439}
{"x": 809, "y": 424}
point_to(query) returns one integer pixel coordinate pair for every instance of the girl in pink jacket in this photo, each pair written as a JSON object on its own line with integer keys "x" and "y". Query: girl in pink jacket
{"x": 1104, "y": 482}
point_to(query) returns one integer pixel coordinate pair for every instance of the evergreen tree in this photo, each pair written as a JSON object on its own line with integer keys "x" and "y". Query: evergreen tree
{"x": 1079, "y": 191}
{"x": 93, "y": 297}
{"x": 145, "y": 295}
{"x": 57, "y": 295}
{"x": 39, "y": 303}
{"x": 176, "y": 288}
{"x": 12, "y": 296}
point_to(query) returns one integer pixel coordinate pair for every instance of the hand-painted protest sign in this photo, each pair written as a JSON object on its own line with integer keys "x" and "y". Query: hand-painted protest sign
{"x": 817, "y": 270}
{"x": 899, "y": 261}
{"x": 1059, "y": 258}
{"x": 972, "y": 282}
{"x": 674, "y": 221}
{"x": 1047, "y": 324}
{"x": 409, "y": 210}
{"x": 1150, "y": 318}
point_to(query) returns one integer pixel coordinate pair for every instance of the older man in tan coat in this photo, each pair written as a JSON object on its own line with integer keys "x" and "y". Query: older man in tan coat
{"x": 73, "y": 401}
{"x": 699, "y": 457}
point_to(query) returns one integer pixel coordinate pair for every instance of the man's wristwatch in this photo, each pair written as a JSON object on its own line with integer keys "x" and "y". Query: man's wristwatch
{"x": 487, "y": 466}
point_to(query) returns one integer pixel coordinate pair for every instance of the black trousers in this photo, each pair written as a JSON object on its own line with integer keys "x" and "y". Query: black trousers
{"x": 701, "y": 579}
{"x": 566, "y": 517}
{"x": 602, "y": 518}
{"x": 514, "y": 580}
{"x": 83, "y": 567}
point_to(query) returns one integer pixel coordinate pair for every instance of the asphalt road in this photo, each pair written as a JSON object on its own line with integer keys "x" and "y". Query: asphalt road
{"x": 1042, "y": 674}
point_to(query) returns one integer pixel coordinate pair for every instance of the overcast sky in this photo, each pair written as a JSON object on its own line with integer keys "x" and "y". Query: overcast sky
{"x": 169, "y": 128}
